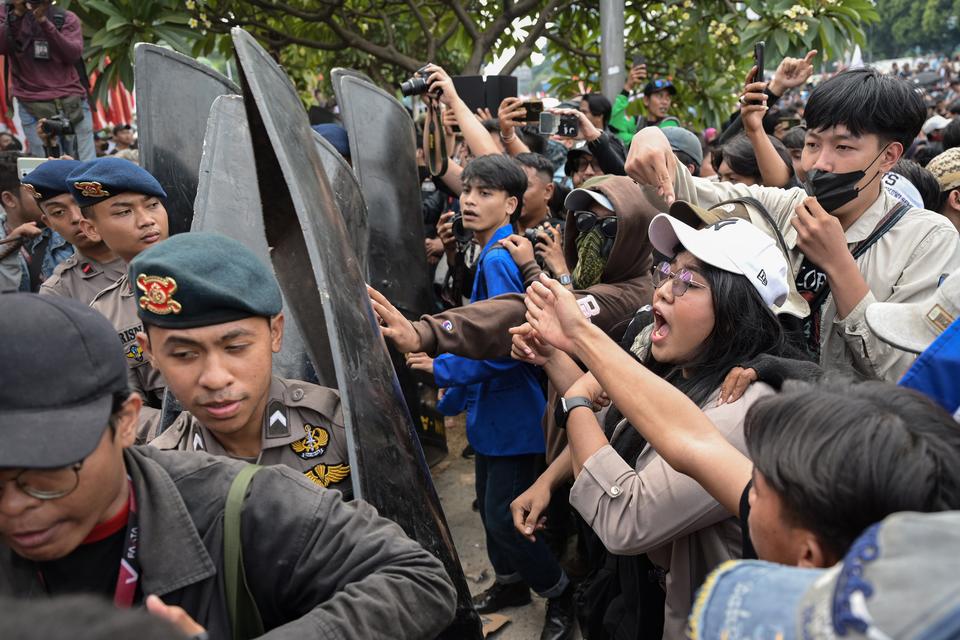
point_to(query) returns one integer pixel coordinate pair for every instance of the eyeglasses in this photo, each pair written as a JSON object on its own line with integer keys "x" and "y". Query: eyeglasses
{"x": 47, "y": 484}
{"x": 587, "y": 220}
{"x": 682, "y": 280}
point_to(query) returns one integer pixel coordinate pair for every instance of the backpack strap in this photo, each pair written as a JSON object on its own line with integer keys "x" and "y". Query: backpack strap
{"x": 892, "y": 217}
{"x": 756, "y": 204}
{"x": 245, "y": 618}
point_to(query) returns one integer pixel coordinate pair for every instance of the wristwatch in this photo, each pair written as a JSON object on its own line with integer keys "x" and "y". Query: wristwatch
{"x": 566, "y": 405}
{"x": 565, "y": 279}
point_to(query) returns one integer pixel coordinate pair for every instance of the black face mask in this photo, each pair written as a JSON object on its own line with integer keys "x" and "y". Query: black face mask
{"x": 833, "y": 190}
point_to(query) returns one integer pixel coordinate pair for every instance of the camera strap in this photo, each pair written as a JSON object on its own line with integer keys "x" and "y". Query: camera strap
{"x": 436, "y": 141}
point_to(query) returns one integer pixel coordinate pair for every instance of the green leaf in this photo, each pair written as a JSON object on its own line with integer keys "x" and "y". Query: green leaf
{"x": 782, "y": 41}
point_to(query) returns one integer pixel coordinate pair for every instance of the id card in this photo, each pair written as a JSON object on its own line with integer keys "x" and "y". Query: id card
{"x": 41, "y": 50}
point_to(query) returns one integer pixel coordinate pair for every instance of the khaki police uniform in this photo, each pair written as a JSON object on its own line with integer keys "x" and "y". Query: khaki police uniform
{"x": 82, "y": 278}
{"x": 302, "y": 429}
{"x": 118, "y": 304}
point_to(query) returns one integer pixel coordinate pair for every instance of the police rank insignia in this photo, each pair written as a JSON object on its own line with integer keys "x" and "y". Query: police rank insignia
{"x": 158, "y": 294}
{"x": 91, "y": 189}
{"x": 328, "y": 474}
{"x": 276, "y": 416}
{"x": 313, "y": 445}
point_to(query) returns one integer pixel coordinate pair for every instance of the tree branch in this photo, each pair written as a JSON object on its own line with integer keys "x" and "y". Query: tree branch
{"x": 465, "y": 19}
{"x": 533, "y": 34}
{"x": 390, "y": 55}
{"x": 427, "y": 32}
{"x": 563, "y": 44}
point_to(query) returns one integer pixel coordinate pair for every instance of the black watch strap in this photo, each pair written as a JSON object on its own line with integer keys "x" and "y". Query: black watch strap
{"x": 566, "y": 405}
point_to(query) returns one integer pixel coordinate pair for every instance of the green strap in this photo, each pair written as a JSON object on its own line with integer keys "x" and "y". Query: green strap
{"x": 244, "y": 616}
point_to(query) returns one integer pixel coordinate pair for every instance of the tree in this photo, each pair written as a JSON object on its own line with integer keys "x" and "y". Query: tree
{"x": 704, "y": 45}
{"x": 909, "y": 25}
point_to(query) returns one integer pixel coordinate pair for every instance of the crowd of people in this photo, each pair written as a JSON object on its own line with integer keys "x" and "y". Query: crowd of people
{"x": 707, "y": 376}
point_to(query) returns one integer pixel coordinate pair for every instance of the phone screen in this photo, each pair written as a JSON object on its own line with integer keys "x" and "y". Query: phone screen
{"x": 548, "y": 124}
{"x": 758, "y": 60}
{"x": 26, "y": 165}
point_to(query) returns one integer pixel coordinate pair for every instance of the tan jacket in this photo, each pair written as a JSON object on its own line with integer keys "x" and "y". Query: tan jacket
{"x": 655, "y": 510}
{"x": 308, "y": 435}
{"x": 905, "y": 265}
{"x": 118, "y": 303}
{"x": 82, "y": 279}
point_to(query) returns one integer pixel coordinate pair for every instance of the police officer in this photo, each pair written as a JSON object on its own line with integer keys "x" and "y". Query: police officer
{"x": 83, "y": 511}
{"x": 93, "y": 267}
{"x": 211, "y": 312}
{"x": 122, "y": 206}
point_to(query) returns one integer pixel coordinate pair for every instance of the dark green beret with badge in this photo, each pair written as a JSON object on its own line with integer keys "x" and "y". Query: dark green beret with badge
{"x": 198, "y": 279}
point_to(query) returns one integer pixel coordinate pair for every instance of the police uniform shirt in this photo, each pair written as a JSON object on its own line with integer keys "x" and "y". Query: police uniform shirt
{"x": 82, "y": 278}
{"x": 119, "y": 305}
{"x": 302, "y": 429}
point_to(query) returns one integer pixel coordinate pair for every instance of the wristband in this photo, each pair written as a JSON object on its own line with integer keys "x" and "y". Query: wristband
{"x": 566, "y": 405}
{"x": 512, "y": 137}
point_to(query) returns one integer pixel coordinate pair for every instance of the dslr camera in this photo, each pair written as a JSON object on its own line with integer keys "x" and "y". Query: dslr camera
{"x": 462, "y": 235}
{"x": 417, "y": 85}
{"x": 58, "y": 125}
{"x": 532, "y": 234}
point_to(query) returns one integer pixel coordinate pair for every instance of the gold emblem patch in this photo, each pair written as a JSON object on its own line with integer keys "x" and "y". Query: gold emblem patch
{"x": 939, "y": 318}
{"x": 91, "y": 189}
{"x": 328, "y": 474}
{"x": 30, "y": 189}
{"x": 313, "y": 445}
{"x": 158, "y": 294}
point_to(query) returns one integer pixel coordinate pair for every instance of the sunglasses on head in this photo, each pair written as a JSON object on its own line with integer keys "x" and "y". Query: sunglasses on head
{"x": 682, "y": 280}
{"x": 587, "y": 220}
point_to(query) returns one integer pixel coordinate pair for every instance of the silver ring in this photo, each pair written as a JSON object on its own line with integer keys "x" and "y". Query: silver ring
{"x": 741, "y": 100}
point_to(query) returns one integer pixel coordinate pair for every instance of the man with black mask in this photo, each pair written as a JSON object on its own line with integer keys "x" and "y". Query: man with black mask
{"x": 850, "y": 242}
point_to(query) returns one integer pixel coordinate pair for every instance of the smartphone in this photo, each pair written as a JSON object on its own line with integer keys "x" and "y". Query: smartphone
{"x": 639, "y": 59}
{"x": 534, "y": 109}
{"x": 26, "y": 165}
{"x": 564, "y": 126}
{"x": 758, "y": 60}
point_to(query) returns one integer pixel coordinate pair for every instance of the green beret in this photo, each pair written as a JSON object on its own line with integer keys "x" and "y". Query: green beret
{"x": 198, "y": 279}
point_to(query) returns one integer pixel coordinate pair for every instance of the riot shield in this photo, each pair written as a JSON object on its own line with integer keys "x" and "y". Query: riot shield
{"x": 383, "y": 152}
{"x": 228, "y": 202}
{"x": 346, "y": 191}
{"x": 174, "y": 93}
{"x": 324, "y": 285}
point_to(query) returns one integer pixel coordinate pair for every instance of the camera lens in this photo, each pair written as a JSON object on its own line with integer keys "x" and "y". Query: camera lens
{"x": 413, "y": 87}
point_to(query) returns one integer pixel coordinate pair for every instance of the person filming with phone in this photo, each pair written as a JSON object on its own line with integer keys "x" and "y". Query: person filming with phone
{"x": 44, "y": 45}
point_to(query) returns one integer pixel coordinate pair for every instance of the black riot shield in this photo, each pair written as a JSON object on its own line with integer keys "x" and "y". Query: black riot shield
{"x": 174, "y": 93}
{"x": 346, "y": 191}
{"x": 324, "y": 286}
{"x": 383, "y": 153}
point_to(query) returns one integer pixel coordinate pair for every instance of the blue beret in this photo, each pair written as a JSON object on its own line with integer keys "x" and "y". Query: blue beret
{"x": 96, "y": 180}
{"x": 335, "y": 135}
{"x": 197, "y": 279}
{"x": 49, "y": 179}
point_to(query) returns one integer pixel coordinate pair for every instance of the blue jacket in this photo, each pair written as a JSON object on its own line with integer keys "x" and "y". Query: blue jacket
{"x": 504, "y": 399}
{"x": 58, "y": 250}
{"x": 936, "y": 371}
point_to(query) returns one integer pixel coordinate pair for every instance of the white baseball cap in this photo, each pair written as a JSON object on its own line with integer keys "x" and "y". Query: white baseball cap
{"x": 935, "y": 123}
{"x": 581, "y": 199}
{"x": 912, "y": 326}
{"x": 902, "y": 189}
{"x": 733, "y": 245}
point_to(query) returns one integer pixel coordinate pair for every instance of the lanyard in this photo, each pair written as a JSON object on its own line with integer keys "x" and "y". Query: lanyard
{"x": 129, "y": 574}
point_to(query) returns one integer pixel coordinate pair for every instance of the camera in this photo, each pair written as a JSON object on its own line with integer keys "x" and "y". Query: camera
{"x": 462, "y": 235}
{"x": 416, "y": 86}
{"x": 58, "y": 125}
{"x": 533, "y": 234}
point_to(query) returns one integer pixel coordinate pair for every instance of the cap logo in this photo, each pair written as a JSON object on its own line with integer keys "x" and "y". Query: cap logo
{"x": 158, "y": 294}
{"x": 939, "y": 318}
{"x": 720, "y": 224}
{"x": 762, "y": 276}
{"x": 31, "y": 190}
{"x": 91, "y": 189}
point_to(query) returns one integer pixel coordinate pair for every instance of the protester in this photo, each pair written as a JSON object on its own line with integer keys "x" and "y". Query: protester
{"x": 657, "y": 99}
{"x": 37, "y": 250}
{"x": 909, "y": 182}
{"x": 581, "y": 164}
{"x": 123, "y": 138}
{"x": 122, "y": 206}
{"x": 902, "y": 262}
{"x": 535, "y": 209}
{"x": 88, "y": 507}
{"x": 686, "y": 146}
{"x": 946, "y": 169}
{"x": 44, "y": 45}
{"x": 793, "y": 140}
{"x": 93, "y": 266}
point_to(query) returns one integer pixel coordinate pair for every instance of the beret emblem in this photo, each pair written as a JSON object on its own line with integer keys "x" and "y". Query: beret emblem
{"x": 91, "y": 189}
{"x": 31, "y": 190}
{"x": 158, "y": 294}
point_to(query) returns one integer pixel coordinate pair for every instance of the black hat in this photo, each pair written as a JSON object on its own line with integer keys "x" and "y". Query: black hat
{"x": 200, "y": 278}
{"x": 659, "y": 84}
{"x": 62, "y": 366}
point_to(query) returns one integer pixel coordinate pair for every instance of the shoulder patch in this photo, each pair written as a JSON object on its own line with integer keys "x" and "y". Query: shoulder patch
{"x": 313, "y": 444}
{"x": 327, "y": 474}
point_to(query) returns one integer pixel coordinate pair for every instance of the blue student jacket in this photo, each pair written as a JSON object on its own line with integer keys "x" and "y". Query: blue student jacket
{"x": 504, "y": 399}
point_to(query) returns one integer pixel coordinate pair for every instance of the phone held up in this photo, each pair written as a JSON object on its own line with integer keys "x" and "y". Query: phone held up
{"x": 758, "y": 60}
{"x": 533, "y": 108}
{"x": 565, "y": 126}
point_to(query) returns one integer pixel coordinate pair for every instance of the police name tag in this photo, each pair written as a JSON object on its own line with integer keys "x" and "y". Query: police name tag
{"x": 588, "y": 305}
{"x": 41, "y": 50}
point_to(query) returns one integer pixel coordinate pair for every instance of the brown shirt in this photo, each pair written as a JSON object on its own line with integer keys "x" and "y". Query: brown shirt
{"x": 118, "y": 303}
{"x": 656, "y": 510}
{"x": 82, "y": 278}
{"x": 302, "y": 428}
